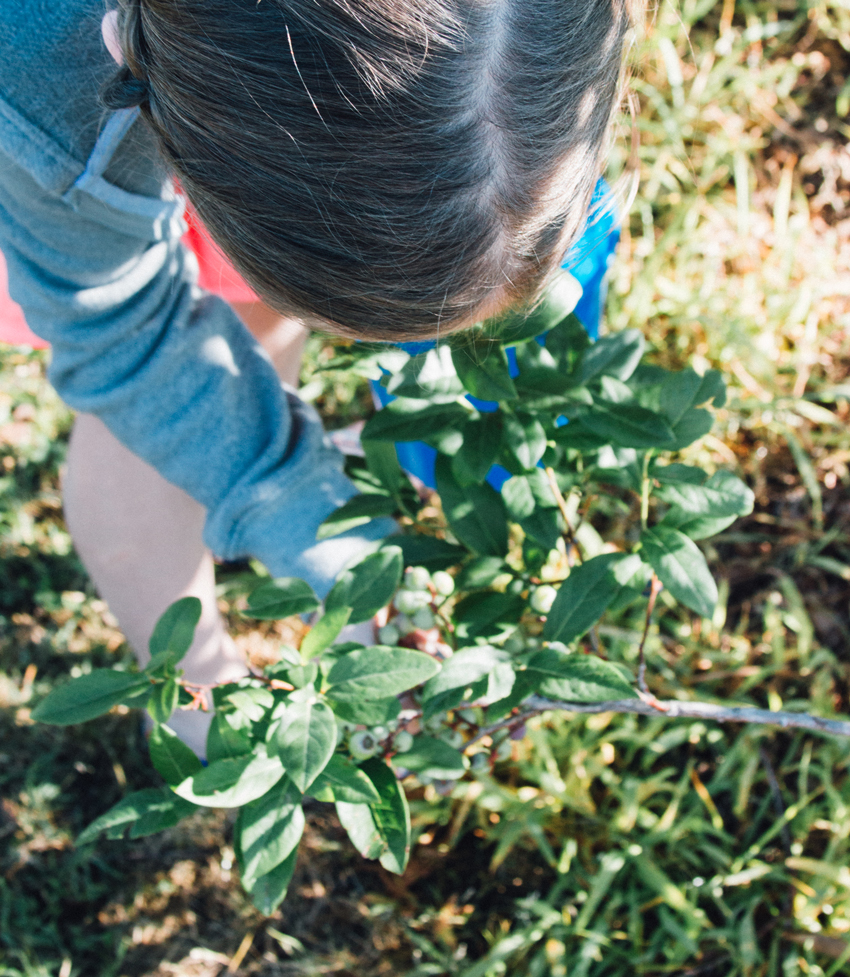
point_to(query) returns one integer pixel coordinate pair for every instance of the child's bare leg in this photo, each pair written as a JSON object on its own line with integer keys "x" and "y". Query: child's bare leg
{"x": 140, "y": 537}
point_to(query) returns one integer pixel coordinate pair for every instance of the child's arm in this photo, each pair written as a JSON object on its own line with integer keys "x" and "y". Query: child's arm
{"x": 173, "y": 372}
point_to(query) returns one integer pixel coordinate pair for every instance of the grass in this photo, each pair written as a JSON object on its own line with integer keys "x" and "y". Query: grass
{"x": 615, "y": 845}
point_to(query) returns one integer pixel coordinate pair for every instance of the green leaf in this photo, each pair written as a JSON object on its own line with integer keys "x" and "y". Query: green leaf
{"x": 681, "y": 567}
{"x": 368, "y": 360}
{"x": 524, "y": 438}
{"x": 172, "y": 758}
{"x": 713, "y": 388}
{"x": 361, "y": 827}
{"x": 500, "y": 682}
{"x": 676, "y": 473}
{"x": 722, "y": 495}
{"x": 697, "y": 527}
{"x": 480, "y": 572}
{"x": 483, "y": 369}
{"x": 614, "y": 391}
{"x": 379, "y": 672}
{"x": 678, "y": 394}
{"x": 482, "y": 438}
{"x": 144, "y": 812}
{"x": 525, "y": 683}
{"x": 627, "y": 425}
{"x": 175, "y": 630}
{"x": 324, "y": 632}
{"x": 382, "y": 459}
{"x": 269, "y": 891}
{"x": 427, "y": 376}
{"x": 531, "y": 503}
{"x": 568, "y": 342}
{"x": 544, "y": 526}
{"x": 586, "y": 593}
{"x": 376, "y": 712}
{"x": 682, "y": 390}
{"x": 409, "y": 420}
{"x": 525, "y": 493}
{"x": 88, "y": 696}
{"x": 616, "y": 355}
{"x": 359, "y": 510}
{"x": 427, "y": 551}
{"x": 299, "y": 675}
{"x": 305, "y": 741}
{"x": 232, "y": 782}
{"x": 252, "y": 701}
{"x": 464, "y": 669}
{"x": 540, "y": 373}
{"x": 165, "y": 815}
{"x": 578, "y": 678}
{"x": 276, "y": 599}
{"x": 476, "y": 513}
{"x": 359, "y": 475}
{"x": 163, "y": 700}
{"x": 694, "y": 425}
{"x": 269, "y": 830}
{"x": 576, "y": 437}
{"x": 561, "y": 298}
{"x": 223, "y": 741}
{"x": 391, "y": 814}
{"x": 368, "y": 586}
{"x": 482, "y": 613}
{"x": 430, "y": 757}
{"x": 629, "y": 476}
{"x": 341, "y": 780}
{"x": 633, "y": 590}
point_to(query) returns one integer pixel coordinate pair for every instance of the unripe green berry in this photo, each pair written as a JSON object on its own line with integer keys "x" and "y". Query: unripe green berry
{"x": 379, "y": 732}
{"x": 389, "y": 634}
{"x": 403, "y": 741}
{"x": 443, "y": 583}
{"x": 403, "y": 624}
{"x": 363, "y": 745}
{"x": 504, "y": 750}
{"x": 410, "y": 601}
{"x": 453, "y": 738}
{"x": 479, "y": 761}
{"x": 417, "y": 578}
{"x": 542, "y": 599}
{"x": 424, "y": 618}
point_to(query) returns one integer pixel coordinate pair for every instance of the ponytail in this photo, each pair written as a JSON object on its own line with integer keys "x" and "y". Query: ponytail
{"x": 129, "y": 86}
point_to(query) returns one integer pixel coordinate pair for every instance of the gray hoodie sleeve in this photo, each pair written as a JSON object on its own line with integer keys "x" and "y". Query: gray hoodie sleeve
{"x": 101, "y": 274}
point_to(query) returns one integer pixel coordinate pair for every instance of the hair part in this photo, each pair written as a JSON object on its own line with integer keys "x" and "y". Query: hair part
{"x": 388, "y": 165}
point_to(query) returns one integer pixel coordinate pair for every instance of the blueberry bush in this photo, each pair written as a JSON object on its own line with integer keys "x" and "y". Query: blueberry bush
{"x": 483, "y": 610}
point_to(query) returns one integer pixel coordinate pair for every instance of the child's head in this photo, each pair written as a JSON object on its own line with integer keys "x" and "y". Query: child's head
{"x": 397, "y": 167}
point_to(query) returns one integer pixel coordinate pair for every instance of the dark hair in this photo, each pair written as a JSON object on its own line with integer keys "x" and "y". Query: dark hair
{"x": 388, "y": 165}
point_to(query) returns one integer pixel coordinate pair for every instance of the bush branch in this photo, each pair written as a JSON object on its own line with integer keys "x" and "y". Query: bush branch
{"x": 673, "y": 709}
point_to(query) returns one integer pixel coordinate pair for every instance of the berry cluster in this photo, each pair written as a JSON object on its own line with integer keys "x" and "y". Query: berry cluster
{"x": 413, "y": 618}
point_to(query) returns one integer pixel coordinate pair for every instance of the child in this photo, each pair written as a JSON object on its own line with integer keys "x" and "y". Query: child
{"x": 383, "y": 169}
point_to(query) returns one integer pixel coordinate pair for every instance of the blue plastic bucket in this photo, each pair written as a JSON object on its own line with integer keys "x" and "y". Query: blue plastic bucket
{"x": 587, "y": 261}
